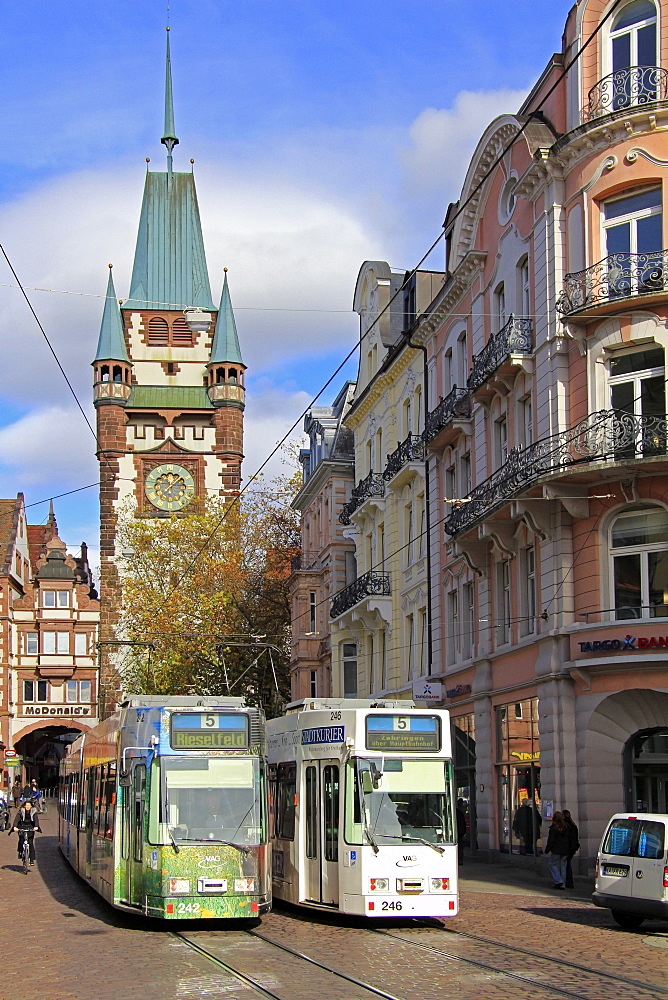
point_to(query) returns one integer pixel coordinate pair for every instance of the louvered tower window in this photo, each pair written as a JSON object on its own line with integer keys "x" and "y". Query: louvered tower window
{"x": 158, "y": 332}
{"x": 181, "y": 335}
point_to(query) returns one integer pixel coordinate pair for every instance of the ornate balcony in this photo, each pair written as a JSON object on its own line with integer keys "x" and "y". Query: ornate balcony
{"x": 304, "y": 560}
{"x": 514, "y": 338}
{"x": 457, "y": 404}
{"x": 625, "y": 89}
{"x": 619, "y": 276}
{"x": 606, "y": 436}
{"x": 372, "y": 486}
{"x": 410, "y": 450}
{"x": 369, "y": 585}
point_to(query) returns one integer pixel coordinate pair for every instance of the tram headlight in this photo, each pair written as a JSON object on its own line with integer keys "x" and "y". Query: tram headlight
{"x": 179, "y": 885}
{"x": 379, "y": 885}
{"x": 244, "y": 885}
{"x": 439, "y": 884}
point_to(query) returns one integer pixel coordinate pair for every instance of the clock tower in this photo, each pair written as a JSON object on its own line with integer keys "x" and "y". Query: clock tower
{"x": 168, "y": 382}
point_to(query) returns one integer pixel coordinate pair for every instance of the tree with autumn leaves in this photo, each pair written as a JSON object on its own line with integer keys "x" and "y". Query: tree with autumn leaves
{"x": 206, "y": 606}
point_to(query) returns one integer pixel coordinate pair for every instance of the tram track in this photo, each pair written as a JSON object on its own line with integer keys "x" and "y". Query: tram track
{"x": 550, "y": 978}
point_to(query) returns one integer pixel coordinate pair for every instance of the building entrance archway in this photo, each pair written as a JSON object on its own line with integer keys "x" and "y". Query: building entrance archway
{"x": 41, "y": 751}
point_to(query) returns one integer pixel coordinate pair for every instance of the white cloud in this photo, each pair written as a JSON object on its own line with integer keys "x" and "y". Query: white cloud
{"x": 270, "y": 413}
{"x": 46, "y": 446}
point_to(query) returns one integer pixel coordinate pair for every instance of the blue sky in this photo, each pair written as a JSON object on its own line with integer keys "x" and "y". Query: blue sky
{"x": 323, "y": 135}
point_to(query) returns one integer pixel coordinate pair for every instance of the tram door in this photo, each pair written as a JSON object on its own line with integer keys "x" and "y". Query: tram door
{"x": 135, "y": 797}
{"x": 321, "y": 841}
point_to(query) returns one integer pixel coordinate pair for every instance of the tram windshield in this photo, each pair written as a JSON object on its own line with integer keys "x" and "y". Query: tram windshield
{"x": 394, "y": 801}
{"x": 210, "y": 799}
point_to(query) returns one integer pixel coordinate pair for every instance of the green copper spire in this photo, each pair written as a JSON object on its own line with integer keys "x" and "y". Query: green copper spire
{"x": 111, "y": 343}
{"x": 225, "y": 347}
{"x": 169, "y": 138}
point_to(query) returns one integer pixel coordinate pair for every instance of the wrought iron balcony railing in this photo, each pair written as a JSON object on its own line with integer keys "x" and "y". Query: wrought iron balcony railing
{"x": 609, "y": 435}
{"x": 370, "y": 585}
{"x": 626, "y": 88}
{"x": 372, "y": 486}
{"x": 410, "y": 450}
{"x": 619, "y": 276}
{"x": 456, "y": 404}
{"x": 304, "y": 560}
{"x": 514, "y": 338}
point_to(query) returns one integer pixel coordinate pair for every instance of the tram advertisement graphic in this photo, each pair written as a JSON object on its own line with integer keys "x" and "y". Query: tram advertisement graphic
{"x": 209, "y": 731}
{"x": 403, "y": 732}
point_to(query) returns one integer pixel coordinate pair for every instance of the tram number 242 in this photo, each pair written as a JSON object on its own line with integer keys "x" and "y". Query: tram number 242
{"x": 187, "y": 907}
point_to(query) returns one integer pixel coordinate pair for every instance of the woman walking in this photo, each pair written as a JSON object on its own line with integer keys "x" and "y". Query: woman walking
{"x": 574, "y": 846}
{"x": 558, "y": 846}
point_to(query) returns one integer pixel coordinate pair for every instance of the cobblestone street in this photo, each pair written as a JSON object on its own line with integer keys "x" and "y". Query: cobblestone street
{"x": 62, "y": 942}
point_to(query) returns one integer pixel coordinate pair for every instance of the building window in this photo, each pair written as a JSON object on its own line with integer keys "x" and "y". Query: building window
{"x": 468, "y": 628}
{"x": 633, "y": 54}
{"x": 639, "y": 556}
{"x": 85, "y": 691}
{"x": 524, "y": 288}
{"x": 32, "y": 644}
{"x": 633, "y": 232}
{"x": 71, "y": 691}
{"x": 410, "y": 645}
{"x": 410, "y": 534}
{"x": 499, "y": 307}
{"x": 425, "y": 666}
{"x": 55, "y": 599}
{"x": 637, "y": 387}
{"x": 35, "y": 691}
{"x": 312, "y": 611}
{"x": 313, "y": 684}
{"x": 383, "y": 660}
{"x": 501, "y": 441}
{"x": 55, "y": 642}
{"x": 62, "y": 642}
{"x": 452, "y": 644}
{"x": 518, "y": 777}
{"x": 349, "y": 661}
{"x": 503, "y": 601}
{"x": 465, "y": 468}
{"x": 81, "y": 643}
{"x": 371, "y": 672}
{"x": 158, "y": 332}
{"x": 48, "y": 642}
{"x": 528, "y": 561}
{"x": 450, "y": 483}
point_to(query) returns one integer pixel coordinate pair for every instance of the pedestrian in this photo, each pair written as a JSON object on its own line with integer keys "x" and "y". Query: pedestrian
{"x": 16, "y": 792}
{"x": 558, "y": 845}
{"x": 36, "y": 795}
{"x": 461, "y": 830}
{"x": 574, "y": 846}
{"x": 527, "y": 824}
{"x": 26, "y": 792}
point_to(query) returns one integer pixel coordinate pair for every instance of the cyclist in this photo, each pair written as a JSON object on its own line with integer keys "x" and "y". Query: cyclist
{"x": 25, "y": 823}
{"x": 36, "y": 796}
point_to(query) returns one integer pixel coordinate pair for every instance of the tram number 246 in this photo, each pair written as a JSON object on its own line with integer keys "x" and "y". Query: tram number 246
{"x": 393, "y": 905}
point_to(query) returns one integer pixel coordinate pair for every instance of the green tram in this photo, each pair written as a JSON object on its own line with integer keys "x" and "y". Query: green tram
{"x": 163, "y": 808}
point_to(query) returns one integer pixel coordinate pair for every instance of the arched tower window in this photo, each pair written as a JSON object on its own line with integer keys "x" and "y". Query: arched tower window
{"x": 639, "y": 563}
{"x": 158, "y": 332}
{"x": 181, "y": 335}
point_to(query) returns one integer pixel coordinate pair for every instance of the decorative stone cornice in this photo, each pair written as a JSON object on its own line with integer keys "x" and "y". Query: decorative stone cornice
{"x": 451, "y": 293}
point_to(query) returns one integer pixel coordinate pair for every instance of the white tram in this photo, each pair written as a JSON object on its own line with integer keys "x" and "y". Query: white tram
{"x": 363, "y": 813}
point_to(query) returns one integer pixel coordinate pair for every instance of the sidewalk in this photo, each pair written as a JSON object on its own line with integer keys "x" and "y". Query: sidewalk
{"x": 514, "y": 879}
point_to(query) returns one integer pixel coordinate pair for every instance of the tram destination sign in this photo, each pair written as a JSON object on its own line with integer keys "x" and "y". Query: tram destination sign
{"x": 403, "y": 732}
{"x": 209, "y": 731}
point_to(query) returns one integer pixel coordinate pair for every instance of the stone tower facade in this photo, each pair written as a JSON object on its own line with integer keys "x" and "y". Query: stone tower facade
{"x": 168, "y": 383}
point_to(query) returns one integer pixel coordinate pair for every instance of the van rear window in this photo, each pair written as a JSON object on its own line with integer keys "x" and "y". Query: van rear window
{"x": 635, "y": 838}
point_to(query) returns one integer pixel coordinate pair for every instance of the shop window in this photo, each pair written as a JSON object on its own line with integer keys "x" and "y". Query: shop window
{"x": 464, "y": 754}
{"x": 518, "y": 777}
{"x": 639, "y": 560}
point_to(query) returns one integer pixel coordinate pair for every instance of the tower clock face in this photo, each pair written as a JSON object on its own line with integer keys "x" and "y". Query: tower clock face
{"x": 170, "y": 487}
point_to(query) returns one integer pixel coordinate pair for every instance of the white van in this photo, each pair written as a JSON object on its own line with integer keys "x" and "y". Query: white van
{"x": 632, "y": 868}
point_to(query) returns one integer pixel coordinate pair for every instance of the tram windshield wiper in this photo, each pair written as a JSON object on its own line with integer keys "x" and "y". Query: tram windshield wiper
{"x": 174, "y": 844}
{"x": 214, "y": 840}
{"x": 417, "y": 840}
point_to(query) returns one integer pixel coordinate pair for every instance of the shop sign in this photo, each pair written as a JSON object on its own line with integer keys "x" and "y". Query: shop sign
{"x": 457, "y": 692}
{"x": 525, "y": 756}
{"x": 629, "y": 643}
{"x": 56, "y": 710}
{"x": 427, "y": 691}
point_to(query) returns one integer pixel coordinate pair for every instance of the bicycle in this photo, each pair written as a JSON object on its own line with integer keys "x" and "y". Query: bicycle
{"x": 25, "y": 849}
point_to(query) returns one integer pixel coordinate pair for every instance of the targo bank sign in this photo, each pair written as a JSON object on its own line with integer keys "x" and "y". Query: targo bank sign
{"x": 628, "y": 644}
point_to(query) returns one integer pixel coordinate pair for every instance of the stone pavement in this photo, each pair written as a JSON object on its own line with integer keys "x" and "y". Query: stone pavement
{"x": 60, "y": 941}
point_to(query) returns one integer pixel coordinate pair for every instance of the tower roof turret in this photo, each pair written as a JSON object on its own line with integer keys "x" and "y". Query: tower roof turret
{"x": 111, "y": 342}
{"x": 225, "y": 347}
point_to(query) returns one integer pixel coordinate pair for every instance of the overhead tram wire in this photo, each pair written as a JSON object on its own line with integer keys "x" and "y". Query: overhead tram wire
{"x": 410, "y": 274}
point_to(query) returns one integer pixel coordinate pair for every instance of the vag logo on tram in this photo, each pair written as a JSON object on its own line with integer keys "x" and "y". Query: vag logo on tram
{"x": 211, "y": 862}
{"x": 408, "y": 861}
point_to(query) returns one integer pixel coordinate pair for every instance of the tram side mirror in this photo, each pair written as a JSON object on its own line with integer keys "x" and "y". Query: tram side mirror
{"x": 367, "y": 782}
{"x": 124, "y": 779}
